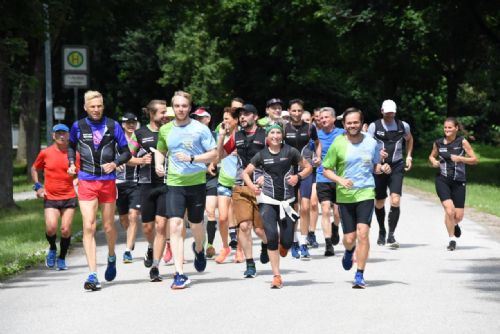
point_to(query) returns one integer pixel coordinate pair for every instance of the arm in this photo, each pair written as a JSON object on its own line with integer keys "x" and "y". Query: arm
{"x": 470, "y": 158}
{"x": 34, "y": 175}
{"x": 317, "y": 159}
{"x": 159, "y": 161}
{"x": 306, "y": 170}
{"x": 330, "y": 174}
{"x": 221, "y": 152}
{"x": 432, "y": 157}
{"x": 71, "y": 157}
{"x": 409, "y": 151}
{"x": 205, "y": 158}
{"x": 248, "y": 180}
{"x": 144, "y": 160}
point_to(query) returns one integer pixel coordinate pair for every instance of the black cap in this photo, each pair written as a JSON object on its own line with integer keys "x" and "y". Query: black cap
{"x": 248, "y": 108}
{"x": 274, "y": 101}
{"x": 128, "y": 116}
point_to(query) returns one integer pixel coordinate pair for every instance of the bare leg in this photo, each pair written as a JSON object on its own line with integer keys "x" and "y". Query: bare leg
{"x": 108, "y": 222}
{"x": 89, "y": 210}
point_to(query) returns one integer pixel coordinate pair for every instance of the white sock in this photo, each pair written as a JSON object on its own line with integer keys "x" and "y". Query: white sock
{"x": 302, "y": 240}
{"x": 296, "y": 236}
{"x": 127, "y": 249}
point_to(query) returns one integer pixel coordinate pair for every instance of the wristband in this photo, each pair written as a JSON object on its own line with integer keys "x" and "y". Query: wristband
{"x": 37, "y": 186}
{"x": 192, "y": 158}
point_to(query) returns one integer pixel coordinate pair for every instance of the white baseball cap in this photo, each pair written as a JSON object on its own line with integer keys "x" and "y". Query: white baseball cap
{"x": 388, "y": 106}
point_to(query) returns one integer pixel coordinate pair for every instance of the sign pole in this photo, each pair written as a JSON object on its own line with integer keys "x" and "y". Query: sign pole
{"x": 75, "y": 106}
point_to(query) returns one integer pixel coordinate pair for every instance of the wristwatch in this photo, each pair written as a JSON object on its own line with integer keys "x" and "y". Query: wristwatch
{"x": 37, "y": 186}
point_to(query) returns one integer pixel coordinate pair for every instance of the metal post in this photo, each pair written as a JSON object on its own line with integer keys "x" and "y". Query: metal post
{"x": 48, "y": 78}
{"x": 75, "y": 101}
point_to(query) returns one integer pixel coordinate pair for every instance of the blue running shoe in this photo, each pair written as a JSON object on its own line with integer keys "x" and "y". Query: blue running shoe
{"x": 311, "y": 240}
{"x": 347, "y": 259}
{"x": 200, "y": 261}
{"x": 61, "y": 264}
{"x": 296, "y": 250}
{"x": 180, "y": 281}
{"x": 359, "y": 281}
{"x": 304, "y": 253}
{"x": 92, "y": 283}
{"x": 110, "y": 273}
{"x": 127, "y": 257}
{"x": 251, "y": 271}
{"x": 50, "y": 259}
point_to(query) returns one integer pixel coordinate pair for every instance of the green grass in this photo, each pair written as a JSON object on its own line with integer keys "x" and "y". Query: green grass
{"x": 21, "y": 182}
{"x": 483, "y": 180}
{"x": 22, "y": 236}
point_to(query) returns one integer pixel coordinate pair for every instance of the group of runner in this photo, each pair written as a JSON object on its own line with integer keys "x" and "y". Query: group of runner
{"x": 265, "y": 175}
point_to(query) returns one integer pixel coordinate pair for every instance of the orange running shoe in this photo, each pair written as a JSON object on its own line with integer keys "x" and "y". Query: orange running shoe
{"x": 277, "y": 282}
{"x": 168, "y": 253}
{"x": 282, "y": 250}
{"x": 223, "y": 254}
{"x": 239, "y": 257}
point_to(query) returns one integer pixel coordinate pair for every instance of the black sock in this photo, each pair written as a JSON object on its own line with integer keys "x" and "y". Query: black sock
{"x": 310, "y": 233}
{"x": 335, "y": 228}
{"x": 393, "y": 218}
{"x": 351, "y": 251}
{"x": 64, "y": 247}
{"x": 380, "y": 214}
{"x": 250, "y": 262}
{"x": 232, "y": 233}
{"x": 328, "y": 241}
{"x": 211, "y": 228}
{"x": 360, "y": 270}
{"x": 263, "y": 246}
{"x": 52, "y": 241}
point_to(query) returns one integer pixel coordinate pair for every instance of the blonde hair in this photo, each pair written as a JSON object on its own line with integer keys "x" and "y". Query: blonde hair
{"x": 182, "y": 93}
{"x": 90, "y": 95}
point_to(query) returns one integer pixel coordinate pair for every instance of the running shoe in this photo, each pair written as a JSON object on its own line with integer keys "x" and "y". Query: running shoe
{"x": 335, "y": 235}
{"x": 251, "y": 271}
{"x": 304, "y": 253}
{"x": 296, "y": 250}
{"x": 110, "y": 272}
{"x": 223, "y": 254}
{"x": 277, "y": 282}
{"x": 458, "y": 231}
{"x": 180, "y": 282}
{"x": 50, "y": 259}
{"x": 359, "y": 281}
{"x": 154, "y": 274}
{"x": 329, "y": 251}
{"x": 61, "y": 264}
{"x": 148, "y": 258}
{"x": 92, "y": 283}
{"x": 210, "y": 252}
{"x": 311, "y": 240}
{"x": 200, "y": 261}
{"x": 381, "y": 238}
{"x": 239, "y": 257}
{"x": 264, "y": 257}
{"x": 347, "y": 259}
{"x": 168, "y": 253}
{"x": 234, "y": 241}
{"x": 127, "y": 257}
{"x": 282, "y": 250}
{"x": 452, "y": 245}
{"x": 391, "y": 242}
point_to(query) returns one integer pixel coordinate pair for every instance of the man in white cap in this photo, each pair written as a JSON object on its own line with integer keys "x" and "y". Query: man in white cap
{"x": 392, "y": 134}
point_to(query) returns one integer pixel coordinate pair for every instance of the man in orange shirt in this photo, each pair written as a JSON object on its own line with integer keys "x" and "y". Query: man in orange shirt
{"x": 58, "y": 194}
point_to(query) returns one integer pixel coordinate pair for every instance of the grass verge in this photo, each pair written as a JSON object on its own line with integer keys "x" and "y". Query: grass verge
{"x": 22, "y": 236}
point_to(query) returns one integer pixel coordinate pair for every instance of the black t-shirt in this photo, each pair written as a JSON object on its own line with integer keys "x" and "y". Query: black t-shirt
{"x": 300, "y": 138}
{"x": 277, "y": 168}
{"x": 447, "y": 167}
{"x": 146, "y": 139}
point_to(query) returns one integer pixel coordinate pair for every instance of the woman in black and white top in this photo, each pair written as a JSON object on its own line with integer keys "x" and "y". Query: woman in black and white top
{"x": 450, "y": 154}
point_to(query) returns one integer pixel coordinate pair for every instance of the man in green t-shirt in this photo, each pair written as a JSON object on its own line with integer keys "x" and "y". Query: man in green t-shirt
{"x": 350, "y": 163}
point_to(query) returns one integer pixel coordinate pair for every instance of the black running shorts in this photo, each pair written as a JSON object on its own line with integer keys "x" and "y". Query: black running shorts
{"x": 393, "y": 181}
{"x": 326, "y": 191}
{"x": 187, "y": 198}
{"x": 60, "y": 204}
{"x": 352, "y": 214}
{"x": 153, "y": 201}
{"x": 447, "y": 188}
{"x": 128, "y": 197}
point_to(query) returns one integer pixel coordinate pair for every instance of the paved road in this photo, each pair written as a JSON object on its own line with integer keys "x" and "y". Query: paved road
{"x": 420, "y": 288}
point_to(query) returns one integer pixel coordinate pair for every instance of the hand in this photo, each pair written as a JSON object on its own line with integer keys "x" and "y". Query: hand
{"x": 223, "y": 130}
{"x": 316, "y": 161}
{"x": 147, "y": 159}
{"x": 383, "y": 154}
{"x": 182, "y": 157}
{"x": 109, "y": 167}
{"x": 72, "y": 169}
{"x": 120, "y": 168}
{"x": 293, "y": 180}
{"x": 346, "y": 183}
{"x": 160, "y": 171}
{"x": 212, "y": 169}
{"x": 256, "y": 189}
{"x": 40, "y": 193}
{"x": 435, "y": 163}
{"x": 260, "y": 181}
{"x": 455, "y": 158}
{"x": 409, "y": 163}
{"x": 386, "y": 168}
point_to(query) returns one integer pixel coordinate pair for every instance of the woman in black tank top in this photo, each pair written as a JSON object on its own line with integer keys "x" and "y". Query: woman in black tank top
{"x": 450, "y": 154}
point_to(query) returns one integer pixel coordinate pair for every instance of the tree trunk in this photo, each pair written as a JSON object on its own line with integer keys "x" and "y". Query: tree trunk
{"x": 21, "y": 143}
{"x": 6, "y": 166}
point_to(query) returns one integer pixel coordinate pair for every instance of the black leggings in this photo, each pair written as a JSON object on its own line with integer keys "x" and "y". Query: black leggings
{"x": 271, "y": 218}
